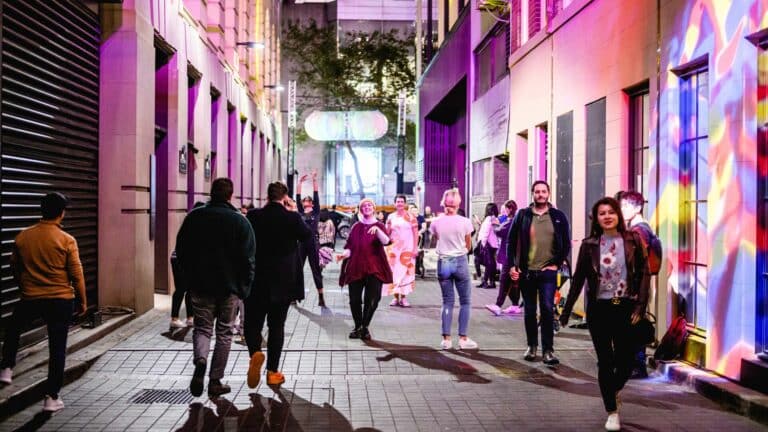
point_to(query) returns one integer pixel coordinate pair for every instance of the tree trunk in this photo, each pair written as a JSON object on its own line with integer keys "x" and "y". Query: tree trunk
{"x": 357, "y": 170}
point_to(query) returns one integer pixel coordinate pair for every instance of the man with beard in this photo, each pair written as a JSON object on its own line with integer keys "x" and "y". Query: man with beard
{"x": 539, "y": 243}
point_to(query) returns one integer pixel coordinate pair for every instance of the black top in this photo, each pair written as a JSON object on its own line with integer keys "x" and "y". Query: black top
{"x": 278, "y": 233}
{"x": 215, "y": 248}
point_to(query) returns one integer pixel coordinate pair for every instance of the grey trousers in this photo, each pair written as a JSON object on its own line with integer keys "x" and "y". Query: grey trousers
{"x": 207, "y": 308}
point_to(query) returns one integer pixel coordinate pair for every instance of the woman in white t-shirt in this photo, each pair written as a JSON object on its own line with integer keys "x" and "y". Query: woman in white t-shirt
{"x": 454, "y": 241}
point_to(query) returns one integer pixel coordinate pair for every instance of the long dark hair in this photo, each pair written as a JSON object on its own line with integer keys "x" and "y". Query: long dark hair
{"x": 597, "y": 230}
{"x": 491, "y": 209}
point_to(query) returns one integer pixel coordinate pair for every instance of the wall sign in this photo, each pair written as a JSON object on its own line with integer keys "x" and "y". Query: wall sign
{"x": 183, "y": 159}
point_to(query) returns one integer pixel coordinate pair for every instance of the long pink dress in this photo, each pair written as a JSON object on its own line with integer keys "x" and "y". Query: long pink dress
{"x": 402, "y": 261}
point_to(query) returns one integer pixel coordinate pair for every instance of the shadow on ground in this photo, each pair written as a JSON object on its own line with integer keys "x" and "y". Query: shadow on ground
{"x": 288, "y": 412}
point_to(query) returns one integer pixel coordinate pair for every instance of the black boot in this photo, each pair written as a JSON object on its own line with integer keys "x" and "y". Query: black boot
{"x": 216, "y": 388}
{"x": 320, "y": 300}
{"x": 198, "y": 377}
{"x": 365, "y": 334}
{"x": 355, "y": 334}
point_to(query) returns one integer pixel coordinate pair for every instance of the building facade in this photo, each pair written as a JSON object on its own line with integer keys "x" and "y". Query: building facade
{"x": 131, "y": 109}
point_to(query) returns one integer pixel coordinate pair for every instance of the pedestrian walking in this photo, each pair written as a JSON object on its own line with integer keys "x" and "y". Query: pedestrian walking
{"x": 45, "y": 262}
{"x": 489, "y": 244}
{"x": 538, "y": 244}
{"x": 180, "y": 291}
{"x": 454, "y": 241}
{"x": 613, "y": 264}
{"x": 401, "y": 253}
{"x": 280, "y": 232}
{"x": 507, "y": 287}
{"x": 310, "y": 248}
{"x": 365, "y": 268}
{"x": 215, "y": 247}
{"x": 632, "y": 210}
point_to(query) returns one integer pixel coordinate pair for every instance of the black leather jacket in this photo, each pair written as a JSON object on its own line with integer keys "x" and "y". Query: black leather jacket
{"x": 588, "y": 270}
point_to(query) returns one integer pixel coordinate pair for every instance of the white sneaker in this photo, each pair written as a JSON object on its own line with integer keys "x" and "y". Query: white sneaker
{"x": 511, "y": 310}
{"x": 404, "y": 302}
{"x": 190, "y": 321}
{"x": 446, "y": 344}
{"x": 467, "y": 344}
{"x": 494, "y": 309}
{"x": 612, "y": 424}
{"x": 177, "y": 323}
{"x": 394, "y": 302}
{"x": 6, "y": 375}
{"x": 53, "y": 405}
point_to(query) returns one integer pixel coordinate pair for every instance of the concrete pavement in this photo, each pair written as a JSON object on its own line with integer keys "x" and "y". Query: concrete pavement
{"x": 400, "y": 381}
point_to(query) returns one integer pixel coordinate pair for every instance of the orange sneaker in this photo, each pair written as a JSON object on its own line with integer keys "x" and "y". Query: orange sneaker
{"x": 275, "y": 378}
{"x": 254, "y": 369}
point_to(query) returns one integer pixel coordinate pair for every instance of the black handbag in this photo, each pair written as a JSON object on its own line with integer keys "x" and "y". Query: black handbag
{"x": 644, "y": 331}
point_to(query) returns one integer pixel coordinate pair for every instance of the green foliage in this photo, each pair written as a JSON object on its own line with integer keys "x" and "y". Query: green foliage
{"x": 362, "y": 71}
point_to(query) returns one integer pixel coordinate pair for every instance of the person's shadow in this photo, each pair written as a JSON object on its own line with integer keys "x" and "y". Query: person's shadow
{"x": 179, "y": 334}
{"x": 286, "y": 412}
{"x": 429, "y": 358}
{"x": 35, "y": 422}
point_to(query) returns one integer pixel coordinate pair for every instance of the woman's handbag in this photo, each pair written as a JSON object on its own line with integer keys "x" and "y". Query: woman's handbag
{"x": 644, "y": 331}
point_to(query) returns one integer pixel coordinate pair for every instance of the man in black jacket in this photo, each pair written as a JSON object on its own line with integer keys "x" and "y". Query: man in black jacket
{"x": 279, "y": 279}
{"x": 539, "y": 243}
{"x": 215, "y": 249}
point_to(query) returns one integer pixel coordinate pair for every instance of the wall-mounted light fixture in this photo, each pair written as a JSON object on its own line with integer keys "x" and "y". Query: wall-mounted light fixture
{"x": 276, "y": 87}
{"x": 251, "y": 44}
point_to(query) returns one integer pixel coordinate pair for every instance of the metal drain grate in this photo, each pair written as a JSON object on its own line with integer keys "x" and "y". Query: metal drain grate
{"x": 150, "y": 396}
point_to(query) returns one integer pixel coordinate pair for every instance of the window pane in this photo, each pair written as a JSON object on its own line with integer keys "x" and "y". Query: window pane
{"x": 702, "y": 242}
{"x": 499, "y": 56}
{"x": 703, "y": 104}
{"x": 701, "y": 297}
{"x": 687, "y": 292}
{"x": 703, "y": 180}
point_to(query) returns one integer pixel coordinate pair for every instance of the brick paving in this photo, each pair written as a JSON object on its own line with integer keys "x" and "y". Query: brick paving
{"x": 400, "y": 381}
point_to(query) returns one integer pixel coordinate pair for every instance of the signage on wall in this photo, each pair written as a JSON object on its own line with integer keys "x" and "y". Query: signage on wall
{"x": 207, "y": 167}
{"x": 183, "y": 159}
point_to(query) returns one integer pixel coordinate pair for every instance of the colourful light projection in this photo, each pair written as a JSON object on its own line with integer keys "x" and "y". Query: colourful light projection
{"x": 715, "y": 30}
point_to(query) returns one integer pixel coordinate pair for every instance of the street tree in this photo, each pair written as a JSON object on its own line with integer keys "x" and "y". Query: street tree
{"x": 353, "y": 71}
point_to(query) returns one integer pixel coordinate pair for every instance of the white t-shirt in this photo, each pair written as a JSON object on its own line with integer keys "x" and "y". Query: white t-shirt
{"x": 451, "y": 234}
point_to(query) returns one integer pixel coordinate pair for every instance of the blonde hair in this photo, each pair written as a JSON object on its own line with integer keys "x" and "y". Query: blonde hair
{"x": 360, "y": 205}
{"x": 455, "y": 196}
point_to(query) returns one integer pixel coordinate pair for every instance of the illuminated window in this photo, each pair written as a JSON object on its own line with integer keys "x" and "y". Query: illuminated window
{"x": 694, "y": 186}
{"x": 762, "y": 201}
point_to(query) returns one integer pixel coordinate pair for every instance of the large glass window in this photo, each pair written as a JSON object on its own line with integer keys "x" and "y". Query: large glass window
{"x": 639, "y": 162}
{"x": 491, "y": 60}
{"x": 762, "y": 202}
{"x": 481, "y": 177}
{"x": 694, "y": 186}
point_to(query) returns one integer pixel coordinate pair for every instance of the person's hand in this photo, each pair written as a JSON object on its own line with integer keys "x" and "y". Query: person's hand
{"x": 373, "y": 230}
{"x": 303, "y": 178}
{"x": 514, "y": 273}
{"x": 564, "y": 319}
{"x": 314, "y": 175}
{"x": 636, "y": 317}
{"x": 551, "y": 267}
{"x": 82, "y": 308}
{"x": 290, "y": 204}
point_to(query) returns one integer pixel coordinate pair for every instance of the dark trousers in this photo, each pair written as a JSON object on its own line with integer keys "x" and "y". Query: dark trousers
{"x": 507, "y": 288}
{"x": 609, "y": 325}
{"x": 180, "y": 292}
{"x": 542, "y": 284}
{"x": 309, "y": 251}
{"x": 213, "y": 312}
{"x": 258, "y": 310}
{"x": 57, "y": 314}
{"x": 489, "y": 258}
{"x": 363, "y": 306}
{"x": 478, "y": 254}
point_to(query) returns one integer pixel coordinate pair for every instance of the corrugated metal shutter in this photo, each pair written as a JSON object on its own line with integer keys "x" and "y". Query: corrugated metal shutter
{"x": 49, "y": 131}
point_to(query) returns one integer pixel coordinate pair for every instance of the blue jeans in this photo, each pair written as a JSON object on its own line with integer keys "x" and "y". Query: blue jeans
{"x": 542, "y": 284}
{"x": 455, "y": 271}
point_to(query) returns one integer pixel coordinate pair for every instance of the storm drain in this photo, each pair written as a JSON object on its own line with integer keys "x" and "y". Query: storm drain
{"x": 151, "y": 396}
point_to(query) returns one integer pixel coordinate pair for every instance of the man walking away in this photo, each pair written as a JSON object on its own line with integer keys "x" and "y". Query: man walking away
{"x": 539, "y": 243}
{"x": 279, "y": 279}
{"x": 46, "y": 265}
{"x": 215, "y": 248}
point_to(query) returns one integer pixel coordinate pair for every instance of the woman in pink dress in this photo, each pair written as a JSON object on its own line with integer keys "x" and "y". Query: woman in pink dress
{"x": 401, "y": 252}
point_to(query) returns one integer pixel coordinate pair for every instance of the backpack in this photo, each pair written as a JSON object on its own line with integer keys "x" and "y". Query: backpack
{"x": 673, "y": 342}
{"x": 652, "y": 246}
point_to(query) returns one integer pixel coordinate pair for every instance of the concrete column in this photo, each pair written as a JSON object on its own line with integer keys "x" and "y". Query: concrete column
{"x": 126, "y": 141}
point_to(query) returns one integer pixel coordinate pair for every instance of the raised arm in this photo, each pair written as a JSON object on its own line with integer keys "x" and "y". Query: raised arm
{"x": 315, "y": 195}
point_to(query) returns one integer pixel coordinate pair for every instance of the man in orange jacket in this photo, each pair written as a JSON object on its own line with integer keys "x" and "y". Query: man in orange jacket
{"x": 46, "y": 264}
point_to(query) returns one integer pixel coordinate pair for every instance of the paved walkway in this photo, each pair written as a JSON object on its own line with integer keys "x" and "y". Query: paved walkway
{"x": 399, "y": 381}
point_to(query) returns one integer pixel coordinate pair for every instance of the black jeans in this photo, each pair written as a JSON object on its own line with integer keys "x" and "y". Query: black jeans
{"x": 542, "y": 284}
{"x": 507, "y": 288}
{"x": 256, "y": 311}
{"x": 57, "y": 314}
{"x": 364, "y": 307}
{"x": 309, "y": 250}
{"x": 609, "y": 325}
{"x": 490, "y": 265}
{"x": 180, "y": 292}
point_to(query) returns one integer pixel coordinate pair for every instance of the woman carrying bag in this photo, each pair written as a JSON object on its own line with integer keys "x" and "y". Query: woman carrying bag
{"x": 612, "y": 262}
